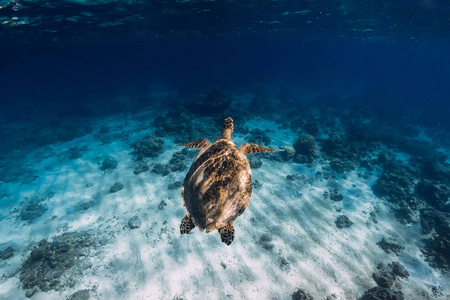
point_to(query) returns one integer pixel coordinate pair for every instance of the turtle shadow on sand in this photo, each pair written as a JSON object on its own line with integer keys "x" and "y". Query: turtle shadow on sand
{"x": 218, "y": 186}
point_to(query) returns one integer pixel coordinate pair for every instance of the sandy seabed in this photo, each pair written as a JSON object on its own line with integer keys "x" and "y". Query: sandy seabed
{"x": 286, "y": 240}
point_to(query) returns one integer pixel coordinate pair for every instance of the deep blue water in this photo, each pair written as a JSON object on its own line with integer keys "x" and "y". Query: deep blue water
{"x": 407, "y": 73}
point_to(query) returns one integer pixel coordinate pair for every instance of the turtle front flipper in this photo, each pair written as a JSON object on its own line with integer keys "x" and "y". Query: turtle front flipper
{"x": 247, "y": 148}
{"x": 199, "y": 144}
{"x": 227, "y": 234}
{"x": 186, "y": 225}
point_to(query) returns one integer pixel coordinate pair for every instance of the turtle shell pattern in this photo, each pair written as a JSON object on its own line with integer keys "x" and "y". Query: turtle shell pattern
{"x": 218, "y": 186}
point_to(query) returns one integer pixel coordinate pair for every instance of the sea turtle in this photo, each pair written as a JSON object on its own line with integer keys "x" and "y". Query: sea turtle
{"x": 218, "y": 186}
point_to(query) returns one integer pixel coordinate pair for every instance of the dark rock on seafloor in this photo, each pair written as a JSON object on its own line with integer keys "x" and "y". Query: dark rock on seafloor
{"x": 176, "y": 122}
{"x": 277, "y": 156}
{"x": 266, "y": 241}
{"x": 29, "y": 293}
{"x": 295, "y": 122}
{"x": 404, "y": 214}
{"x": 109, "y": 164}
{"x": 366, "y": 164}
{"x": 380, "y": 293}
{"x": 213, "y": 103}
{"x": 399, "y": 270}
{"x": 432, "y": 219}
{"x": 435, "y": 171}
{"x": 149, "y": 146}
{"x": 87, "y": 205}
{"x": 104, "y": 129}
{"x": 255, "y": 163}
{"x": 435, "y": 194}
{"x": 378, "y": 131}
{"x": 423, "y": 150}
{"x": 373, "y": 217}
{"x": 284, "y": 264}
{"x": 412, "y": 201}
{"x": 161, "y": 169}
{"x": 257, "y": 136}
{"x": 257, "y": 185}
{"x": 189, "y": 153}
{"x": 67, "y": 129}
{"x": 37, "y": 133}
{"x": 116, "y": 187}
{"x": 301, "y": 294}
{"x": 242, "y": 129}
{"x": 344, "y": 155}
{"x": 6, "y": 253}
{"x": 177, "y": 163}
{"x": 343, "y": 222}
{"x": 394, "y": 184}
{"x": 32, "y": 211}
{"x": 306, "y": 145}
{"x": 295, "y": 177}
{"x": 388, "y": 247}
{"x": 141, "y": 167}
{"x": 303, "y": 159}
{"x": 336, "y": 196}
{"x": 384, "y": 279}
{"x": 11, "y": 171}
{"x": 381, "y": 158}
{"x": 437, "y": 292}
{"x": 56, "y": 264}
{"x": 175, "y": 186}
{"x": 342, "y": 165}
{"x": 73, "y": 152}
{"x": 134, "y": 223}
{"x": 427, "y": 224}
{"x": 312, "y": 127}
{"x": 436, "y": 248}
{"x": 162, "y": 204}
{"x": 80, "y": 295}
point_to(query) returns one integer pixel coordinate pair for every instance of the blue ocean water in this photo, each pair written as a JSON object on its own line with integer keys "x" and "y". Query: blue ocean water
{"x": 96, "y": 96}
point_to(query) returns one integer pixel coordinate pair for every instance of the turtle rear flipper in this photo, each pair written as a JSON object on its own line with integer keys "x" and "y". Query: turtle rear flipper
{"x": 186, "y": 225}
{"x": 227, "y": 234}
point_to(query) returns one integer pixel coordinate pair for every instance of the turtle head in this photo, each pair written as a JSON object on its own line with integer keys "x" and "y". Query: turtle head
{"x": 227, "y": 129}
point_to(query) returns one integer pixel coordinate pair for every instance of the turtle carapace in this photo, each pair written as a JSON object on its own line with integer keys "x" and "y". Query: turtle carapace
{"x": 218, "y": 186}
